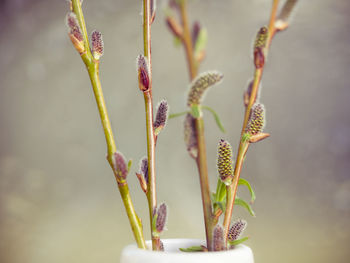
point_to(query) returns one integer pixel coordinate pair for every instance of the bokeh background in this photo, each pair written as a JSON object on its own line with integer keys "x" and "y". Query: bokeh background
{"x": 58, "y": 198}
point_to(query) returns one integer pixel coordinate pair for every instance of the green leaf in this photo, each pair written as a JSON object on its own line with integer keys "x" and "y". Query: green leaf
{"x": 177, "y": 42}
{"x": 174, "y": 115}
{"x": 241, "y": 202}
{"x": 247, "y": 184}
{"x": 196, "y": 111}
{"x": 216, "y": 117}
{"x": 238, "y": 241}
{"x": 201, "y": 42}
{"x": 192, "y": 249}
{"x": 129, "y": 165}
{"x": 220, "y": 191}
{"x": 221, "y": 205}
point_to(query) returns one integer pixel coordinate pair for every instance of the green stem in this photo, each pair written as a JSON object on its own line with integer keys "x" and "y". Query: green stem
{"x": 93, "y": 70}
{"x": 135, "y": 223}
{"x": 151, "y": 139}
{"x": 80, "y": 16}
{"x": 231, "y": 189}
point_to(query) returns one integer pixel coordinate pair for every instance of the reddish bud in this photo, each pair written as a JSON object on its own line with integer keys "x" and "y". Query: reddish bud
{"x": 144, "y": 168}
{"x": 75, "y": 32}
{"x": 236, "y": 230}
{"x": 218, "y": 239}
{"x": 97, "y": 44}
{"x": 120, "y": 166}
{"x": 161, "y": 117}
{"x": 260, "y": 47}
{"x": 143, "y": 73}
{"x": 191, "y": 135}
{"x": 161, "y": 218}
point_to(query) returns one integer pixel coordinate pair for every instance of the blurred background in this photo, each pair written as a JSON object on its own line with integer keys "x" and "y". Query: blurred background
{"x": 58, "y": 198}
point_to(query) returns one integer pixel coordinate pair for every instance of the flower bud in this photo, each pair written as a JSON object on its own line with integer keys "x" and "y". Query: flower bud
{"x": 161, "y": 117}
{"x": 200, "y": 84}
{"x": 191, "y": 135}
{"x": 120, "y": 166}
{"x": 143, "y": 73}
{"x": 260, "y": 47}
{"x": 256, "y": 120}
{"x": 236, "y": 229}
{"x": 224, "y": 162}
{"x": 161, "y": 217}
{"x": 96, "y": 45}
{"x": 218, "y": 238}
{"x": 144, "y": 168}
{"x": 75, "y": 32}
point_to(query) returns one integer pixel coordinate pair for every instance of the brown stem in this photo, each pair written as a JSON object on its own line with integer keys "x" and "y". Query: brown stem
{"x": 187, "y": 41}
{"x": 243, "y": 146}
{"x": 204, "y": 182}
{"x": 201, "y": 158}
{"x": 151, "y": 142}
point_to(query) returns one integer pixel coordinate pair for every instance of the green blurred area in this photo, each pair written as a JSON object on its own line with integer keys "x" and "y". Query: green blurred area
{"x": 58, "y": 198}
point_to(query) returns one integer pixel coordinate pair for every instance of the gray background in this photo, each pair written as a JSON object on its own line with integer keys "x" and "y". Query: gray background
{"x": 58, "y": 198}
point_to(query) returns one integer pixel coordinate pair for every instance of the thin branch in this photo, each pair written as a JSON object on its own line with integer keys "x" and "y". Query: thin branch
{"x": 201, "y": 159}
{"x": 151, "y": 142}
{"x": 243, "y": 145}
{"x": 92, "y": 66}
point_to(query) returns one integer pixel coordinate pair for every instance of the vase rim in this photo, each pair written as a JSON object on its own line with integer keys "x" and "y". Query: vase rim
{"x": 183, "y": 243}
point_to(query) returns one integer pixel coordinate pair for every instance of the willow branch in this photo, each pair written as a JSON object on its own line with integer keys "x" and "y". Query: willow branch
{"x": 201, "y": 159}
{"x": 92, "y": 66}
{"x": 151, "y": 142}
{"x": 243, "y": 145}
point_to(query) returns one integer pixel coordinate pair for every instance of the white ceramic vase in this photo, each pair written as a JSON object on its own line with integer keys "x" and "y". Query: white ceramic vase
{"x": 172, "y": 254}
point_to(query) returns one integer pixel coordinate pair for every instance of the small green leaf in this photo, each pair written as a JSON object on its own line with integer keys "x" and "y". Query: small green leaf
{"x": 245, "y": 137}
{"x": 247, "y": 184}
{"x": 221, "y": 205}
{"x": 129, "y": 165}
{"x": 201, "y": 42}
{"x": 177, "y": 42}
{"x": 196, "y": 111}
{"x": 216, "y": 117}
{"x": 174, "y": 115}
{"x": 241, "y": 202}
{"x": 238, "y": 241}
{"x": 220, "y": 191}
{"x": 192, "y": 249}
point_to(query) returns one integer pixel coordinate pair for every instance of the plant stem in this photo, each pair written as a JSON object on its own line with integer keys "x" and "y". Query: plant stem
{"x": 187, "y": 41}
{"x": 243, "y": 146}
{"x": 93, "y": 70}
{"x": 201, "y": 158}
{"x": 204, "y": 182}
{"x": 151, "y": 140}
